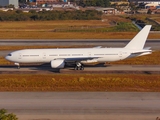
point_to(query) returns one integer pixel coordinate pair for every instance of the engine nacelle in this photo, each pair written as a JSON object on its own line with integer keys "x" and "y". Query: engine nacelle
{"x": 57, "y": 63}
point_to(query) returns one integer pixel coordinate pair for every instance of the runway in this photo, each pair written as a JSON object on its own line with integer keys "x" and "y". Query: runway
{"x": 78, "y": 42}
{"x": 46, "y": 69}
{"x": 82, "y": 105}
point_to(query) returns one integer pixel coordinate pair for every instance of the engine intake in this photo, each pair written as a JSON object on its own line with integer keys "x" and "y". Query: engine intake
{"x": 57, "y": 63}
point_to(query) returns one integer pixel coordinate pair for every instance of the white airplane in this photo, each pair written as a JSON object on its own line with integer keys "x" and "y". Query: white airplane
{"x": 58, "y": 58}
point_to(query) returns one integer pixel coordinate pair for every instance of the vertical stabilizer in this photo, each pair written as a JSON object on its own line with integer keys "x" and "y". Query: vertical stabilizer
{"x": 139, "y": 40}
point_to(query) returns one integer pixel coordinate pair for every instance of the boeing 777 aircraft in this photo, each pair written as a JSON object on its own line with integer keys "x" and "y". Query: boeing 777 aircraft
{"x": 58, "y": 58}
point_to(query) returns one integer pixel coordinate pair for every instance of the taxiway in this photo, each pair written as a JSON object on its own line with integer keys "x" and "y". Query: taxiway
{"x": 82, "y": 105}
{"x": 46, "y": 69}
{"x": 154, "y": 43}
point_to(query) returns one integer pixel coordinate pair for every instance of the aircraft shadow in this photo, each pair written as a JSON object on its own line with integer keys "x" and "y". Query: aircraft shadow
{"x": 42, "y": 67}
{"x": 90, "y": 66}
{"x": 47, "y": 67}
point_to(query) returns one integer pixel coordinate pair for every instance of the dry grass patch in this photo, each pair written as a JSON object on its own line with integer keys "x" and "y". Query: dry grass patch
{"x": 155, "y": 17}
{"x": 66, "y": 29}
{"x": 80, "y": 82}
{"x": 70, "y": 35}
{"x": 48, "y": 25}
{"x": 115, "y": 18}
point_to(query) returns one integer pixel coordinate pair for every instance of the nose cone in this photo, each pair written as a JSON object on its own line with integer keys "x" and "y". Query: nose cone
{"x": 9, "y": 57}
{"x": 6, "y": 58}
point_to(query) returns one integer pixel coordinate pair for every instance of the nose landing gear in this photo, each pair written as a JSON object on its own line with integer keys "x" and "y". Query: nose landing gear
{"x": 18, "y": 65}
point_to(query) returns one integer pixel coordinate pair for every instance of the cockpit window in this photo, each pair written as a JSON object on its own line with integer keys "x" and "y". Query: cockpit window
{"x": 9, "y": 54}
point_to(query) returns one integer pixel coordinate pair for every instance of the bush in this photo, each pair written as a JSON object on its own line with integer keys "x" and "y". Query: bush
{"x": 5, "y": 116}
{"x": 18, "y": 15}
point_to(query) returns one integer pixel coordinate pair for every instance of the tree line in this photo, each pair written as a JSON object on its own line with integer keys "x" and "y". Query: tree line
{"x": 18, "y": 15}
{"x": 84, "y": 3}
{"x": 99, "y": 3}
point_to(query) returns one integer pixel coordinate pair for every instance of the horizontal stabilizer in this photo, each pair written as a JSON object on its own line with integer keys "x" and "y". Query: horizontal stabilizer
{"x": 147, "y": 48}
{"x": 141, "y": 51}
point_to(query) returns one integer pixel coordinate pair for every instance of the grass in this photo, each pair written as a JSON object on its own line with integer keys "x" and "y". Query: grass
{"x": 50, "y": 24}
{"x": 80, "y": 82}
{"x": 113, "y": 27}
{"x": 71, "y": 35}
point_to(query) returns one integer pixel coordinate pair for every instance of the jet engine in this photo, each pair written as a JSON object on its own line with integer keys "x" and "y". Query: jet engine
{"x": 57, "y": 63}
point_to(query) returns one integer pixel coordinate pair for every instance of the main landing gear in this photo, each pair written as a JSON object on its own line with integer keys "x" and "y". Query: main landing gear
{"x": 79, "y": 66}
{"x": 18, "y": 65}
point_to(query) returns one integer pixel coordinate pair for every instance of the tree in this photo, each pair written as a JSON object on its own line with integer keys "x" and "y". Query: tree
{"x": 107, "y": 3}
{"x": 100, "y": 3}
{"x": 5, "y": 116}
{"x": 72, "y": 0}
{"x": 18, "y": 11}
{"x": 10, "y": 6}
{"x": 82, "y": 3}
{"x": 149, "y": 11}
{"x": 133, "y": 7}
{"x": 22, "y": 1}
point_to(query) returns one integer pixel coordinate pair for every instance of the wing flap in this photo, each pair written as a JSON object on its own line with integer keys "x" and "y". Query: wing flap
{"x": 98, "y": 47}
{"x": 79, "y": 59}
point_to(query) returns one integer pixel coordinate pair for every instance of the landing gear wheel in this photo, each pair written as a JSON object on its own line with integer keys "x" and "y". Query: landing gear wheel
{"x": 79, "y": 66}
{"x": 18, "y": 65}
{"x": 76, "y": 68}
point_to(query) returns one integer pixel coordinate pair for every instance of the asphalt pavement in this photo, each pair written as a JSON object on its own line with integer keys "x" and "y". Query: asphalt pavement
{"x": 82, "y": 105}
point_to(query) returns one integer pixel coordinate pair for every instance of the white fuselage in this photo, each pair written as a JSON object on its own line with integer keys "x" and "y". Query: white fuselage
{"x": 73, "y": 54}
{"x": 59, "y": 57}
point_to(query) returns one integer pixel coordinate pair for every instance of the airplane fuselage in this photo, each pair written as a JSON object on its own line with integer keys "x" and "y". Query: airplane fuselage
{"x": 46, "y": 55}
{"x": 58, "y": 58}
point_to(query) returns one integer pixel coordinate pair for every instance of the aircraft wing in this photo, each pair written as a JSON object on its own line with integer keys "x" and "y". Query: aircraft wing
{"x": 79, "y": 59}
{"x": 98, "y": 47}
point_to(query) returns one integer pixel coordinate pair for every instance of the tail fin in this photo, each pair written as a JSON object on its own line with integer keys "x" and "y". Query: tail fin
{"x": 139, "y": 40}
